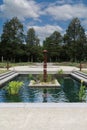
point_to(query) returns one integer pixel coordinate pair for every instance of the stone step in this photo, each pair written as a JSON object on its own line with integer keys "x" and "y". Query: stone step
{"x": 8, "y": 78}
{"x": 80, "y": 74}
{"x": 6, "y": 75}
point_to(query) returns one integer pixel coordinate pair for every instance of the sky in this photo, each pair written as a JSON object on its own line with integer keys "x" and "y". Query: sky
{"x": 45, "y": 16}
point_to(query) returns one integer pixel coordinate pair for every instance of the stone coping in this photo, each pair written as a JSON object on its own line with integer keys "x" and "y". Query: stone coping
{"x": 43, "y": 105}
{"x": 47, "y": 84}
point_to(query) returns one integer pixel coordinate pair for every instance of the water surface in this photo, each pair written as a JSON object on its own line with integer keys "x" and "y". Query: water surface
{"x": 68, "y": 92}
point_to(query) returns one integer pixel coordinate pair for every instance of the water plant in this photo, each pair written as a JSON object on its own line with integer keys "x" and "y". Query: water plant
{"x": 40, "y": 77}
{"x": 82, "y": 92}
{"x": 30, "y": 76}
{"x": 49, "y": 78}
{"x": 14, "y": 87}
{"x": 60, "y": 71}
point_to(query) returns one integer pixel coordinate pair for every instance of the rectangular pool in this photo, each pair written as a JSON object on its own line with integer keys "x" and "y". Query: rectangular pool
{"x": 68, "y": 92}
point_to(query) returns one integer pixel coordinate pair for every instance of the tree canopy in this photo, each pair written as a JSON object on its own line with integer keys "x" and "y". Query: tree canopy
{"x": 53, "y": 45}
{"x": 16, "y": 46}
{"x": 75, "y": 40}
{"x": 11, "y": 38}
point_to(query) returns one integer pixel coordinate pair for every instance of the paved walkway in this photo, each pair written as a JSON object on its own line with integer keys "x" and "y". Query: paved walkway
{"x": 62, "y": 117}
{"x": 39, "y": 69}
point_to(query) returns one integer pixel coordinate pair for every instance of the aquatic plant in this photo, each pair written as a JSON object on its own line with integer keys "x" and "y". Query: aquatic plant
{"x": 40, "y": 77}
{"x": 49, "y": 78}
{"x": 60, "y": 71}
{"x": 30, "y": 76}
{"x": 82, "y": 92}
{"x": 14, "y": 87}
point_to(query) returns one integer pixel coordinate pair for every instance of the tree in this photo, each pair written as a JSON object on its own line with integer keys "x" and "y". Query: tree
{"x": 75, "y": 40}
{"x": 31, "y": 38}
{"x": 53, "y": 45}
{"x": 11, "y": 38}
{"x": 32, "y": 43}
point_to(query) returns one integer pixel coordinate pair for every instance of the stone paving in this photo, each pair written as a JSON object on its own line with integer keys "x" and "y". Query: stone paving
{"x": 45, "y": 117}
{"x": 39, "y": 69}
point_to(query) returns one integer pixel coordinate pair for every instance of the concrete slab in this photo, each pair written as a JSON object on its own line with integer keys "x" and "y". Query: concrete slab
{"x": 43, "y": 118}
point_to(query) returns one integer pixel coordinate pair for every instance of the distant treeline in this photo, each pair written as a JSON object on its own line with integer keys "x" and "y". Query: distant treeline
{"x": 15, "y": 46}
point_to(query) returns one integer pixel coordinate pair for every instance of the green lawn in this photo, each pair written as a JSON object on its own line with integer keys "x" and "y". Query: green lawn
{"x": 84, "y": 71}
{"x": 3, "y": 71}
{"x": 3, "y": 65}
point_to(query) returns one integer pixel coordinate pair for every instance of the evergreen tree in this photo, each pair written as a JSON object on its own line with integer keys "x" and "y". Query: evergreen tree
{"x": 75, "y": 40}
{"x": 11, "y": 38}
{"x": 33, "y": 45}
{"x": 53, "y": 45}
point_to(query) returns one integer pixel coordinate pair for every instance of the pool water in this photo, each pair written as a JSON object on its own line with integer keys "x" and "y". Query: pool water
{"x": 68, "y": 92}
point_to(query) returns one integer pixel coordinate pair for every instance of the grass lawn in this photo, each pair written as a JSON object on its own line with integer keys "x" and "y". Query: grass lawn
{"x": 84, "y": 71}
{"x": 4, "y": 64}
{"x": 3, "y": 71}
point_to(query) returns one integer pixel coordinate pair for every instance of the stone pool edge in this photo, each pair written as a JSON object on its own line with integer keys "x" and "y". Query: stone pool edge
{"x": 43, "y": 105}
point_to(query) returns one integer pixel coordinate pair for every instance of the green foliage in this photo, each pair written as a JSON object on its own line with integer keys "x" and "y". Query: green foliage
{"x": 33, "y": 49}
{"x": 60, "y": 71}
{"x": 14, "y": 87}
{"x": 3, "y": 71}
{"x": 40, "y": 77}
{"x": 31, "y": 77}
{"x": 82, "y": 92}
{"x": 11, "y": 38}
{"x": 33, "y": 82}
{"x": 49, "y": 78}
{"x": 13, "y": 49}
{"x": 53, "y": 45}
{"x": 31, "y": 38}
{"x": 75, "y": 40}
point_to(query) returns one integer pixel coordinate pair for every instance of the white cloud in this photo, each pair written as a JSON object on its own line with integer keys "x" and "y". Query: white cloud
{"x": 62, "y": 2}
{"x": 67, "y": 11}
{"x": 45, "y": 31}
{"x": 21, "y": 8}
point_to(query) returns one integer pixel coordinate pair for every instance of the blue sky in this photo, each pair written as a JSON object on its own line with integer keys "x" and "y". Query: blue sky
{"x": 45, "y": 16}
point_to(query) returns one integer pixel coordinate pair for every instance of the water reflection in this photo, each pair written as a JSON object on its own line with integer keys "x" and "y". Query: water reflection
{"x": 44, "y": 95}
{"x": 71, "y": 89}
{"x": 12, "y": 98}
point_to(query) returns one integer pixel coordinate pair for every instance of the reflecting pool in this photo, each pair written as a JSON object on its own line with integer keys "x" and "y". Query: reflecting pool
{"x": 68, "y": 92}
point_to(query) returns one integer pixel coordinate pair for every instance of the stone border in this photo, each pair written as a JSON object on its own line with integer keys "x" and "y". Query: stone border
{"x": 45, "y": 85}
{"x": 43, "y": 105}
